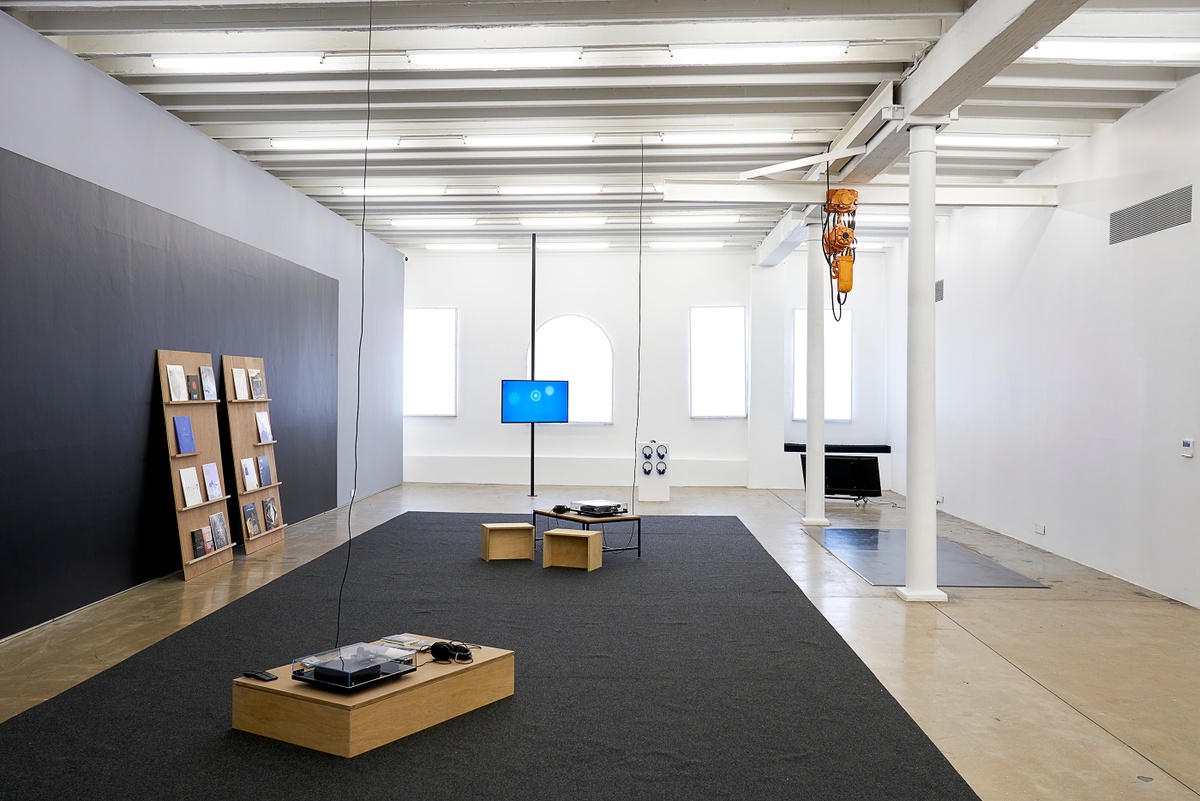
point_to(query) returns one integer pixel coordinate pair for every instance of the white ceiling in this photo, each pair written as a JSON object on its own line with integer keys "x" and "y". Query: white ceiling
{"x": 627, "y": 89}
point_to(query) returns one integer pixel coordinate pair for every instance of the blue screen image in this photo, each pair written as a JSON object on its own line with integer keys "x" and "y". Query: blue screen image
{"x": 533, "y": 401}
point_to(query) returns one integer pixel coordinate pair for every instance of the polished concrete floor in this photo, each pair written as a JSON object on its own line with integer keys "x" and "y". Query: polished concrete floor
{"x": 1087, "y": 690}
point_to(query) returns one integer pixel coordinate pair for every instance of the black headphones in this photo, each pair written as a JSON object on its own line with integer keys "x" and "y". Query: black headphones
{"x": 450, "y": 652}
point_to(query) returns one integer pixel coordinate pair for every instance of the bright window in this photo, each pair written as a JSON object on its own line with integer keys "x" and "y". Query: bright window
{"x": 574, "y": 349}
{"x": 839, "y": 342}
{"x": 431, "y": 362}
{"x": 717, "y": 362}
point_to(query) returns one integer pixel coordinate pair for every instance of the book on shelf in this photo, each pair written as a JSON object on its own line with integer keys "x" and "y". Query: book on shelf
{"x": 212, "y": 481}
{"x": 193, "y": 387}
{"x": 240, "y": 391}
{"x": 209, "y": 547}
{"x": 185, "y": 441}
{"x": 257, "y": 390}
{"x": 220, "y": 530}
{"x": 264, "y": 469}
{"x": 249, "y": 479}
{"x": 208, "y": 382}
{"x": 191, "y": 486}
{"x": 250, "y": 514}
{"x": 198, "y": 543}
{"x": 264, "y": 426}
{"x": 177, "y": 382}
{"x": 271, "y": 513}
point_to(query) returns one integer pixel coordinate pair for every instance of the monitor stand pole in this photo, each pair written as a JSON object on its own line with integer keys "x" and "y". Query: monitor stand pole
{"x": 532, "y": 491}
{"x": 532, "y": 342}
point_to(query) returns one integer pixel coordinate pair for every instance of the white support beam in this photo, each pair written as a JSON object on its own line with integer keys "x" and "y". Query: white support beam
{"x": 802, "y": 193}
{"x": 820, "y": 158}
{"x": 863, "y": 126}
{"x": 786, "y": 236}
{"x": 988, "y": 37}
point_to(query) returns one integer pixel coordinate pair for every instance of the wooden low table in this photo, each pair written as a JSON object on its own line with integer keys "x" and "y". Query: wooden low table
{"x": 572, "y": 547}
{"x": 351, "y": 723}
{"x": 587, "y": 521}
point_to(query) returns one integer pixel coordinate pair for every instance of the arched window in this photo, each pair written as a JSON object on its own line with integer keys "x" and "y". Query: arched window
{"x": 574, "y": 349}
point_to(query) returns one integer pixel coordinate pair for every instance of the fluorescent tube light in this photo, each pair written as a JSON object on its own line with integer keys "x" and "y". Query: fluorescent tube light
{"x": 497, "y": 59}
{"x": 1115, "y": 50}
{"x": 530, "y": 140}
{"x": 573, "y": 245}
{"x": 631, "y": 189}
{"x": 433, "y": 222}
{"x": 697, "y": 219}
{"x": 996, "y": 141}
{"x": 693, "y": 245}
{"x": 393, "y": 191}
{"x": 562, "y": 222}
{"x": 336, "y": 143}
{"x": 461, "y": 246}
{"x": 550, "y": 189}
{"x": 758, "y": 53}
{"x": 238, "y": 62}
{"x": 725, "y": 137}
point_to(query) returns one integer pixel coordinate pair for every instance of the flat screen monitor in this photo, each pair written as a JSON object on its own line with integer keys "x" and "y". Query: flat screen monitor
{"x": 848, "y": 476}
{"x": 533, "y": 401}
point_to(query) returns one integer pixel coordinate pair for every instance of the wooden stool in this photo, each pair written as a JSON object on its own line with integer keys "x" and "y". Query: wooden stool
{"x": 506, "y": 541}
{"x": 572, "y": 547}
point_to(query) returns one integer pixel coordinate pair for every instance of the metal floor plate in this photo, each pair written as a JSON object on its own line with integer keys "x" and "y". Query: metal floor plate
{"x": 878, "y": 556}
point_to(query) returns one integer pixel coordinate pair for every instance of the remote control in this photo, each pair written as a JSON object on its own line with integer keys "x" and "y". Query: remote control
{"x": 261, "y": 675}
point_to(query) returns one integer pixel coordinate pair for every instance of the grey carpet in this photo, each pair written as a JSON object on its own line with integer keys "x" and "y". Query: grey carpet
{"x": 878, "y": 555}
{"x": 699, "y": 671}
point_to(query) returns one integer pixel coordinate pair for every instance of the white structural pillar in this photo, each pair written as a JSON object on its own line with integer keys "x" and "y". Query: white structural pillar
{"x": 814, "y": 479}
{"x": 921, "y": 503}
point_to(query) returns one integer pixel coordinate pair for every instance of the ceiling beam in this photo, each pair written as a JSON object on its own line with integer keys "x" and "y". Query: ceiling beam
{"x": 796, "y": 193}
{"x": 820, "y": 158}
{"x": 987, "y": 38}
{"x": 788, "y": 234}
{"x": 630, "y": 38}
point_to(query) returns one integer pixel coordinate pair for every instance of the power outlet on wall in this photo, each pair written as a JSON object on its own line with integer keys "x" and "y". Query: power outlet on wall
{"x": 941, "y": 499}
{"x": 1039, "y": 528}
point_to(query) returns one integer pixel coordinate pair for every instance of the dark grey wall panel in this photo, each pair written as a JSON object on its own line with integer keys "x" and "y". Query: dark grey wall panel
{"x": 91, "y": 284}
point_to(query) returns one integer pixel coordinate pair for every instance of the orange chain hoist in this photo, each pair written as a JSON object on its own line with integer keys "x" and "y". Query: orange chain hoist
{"x": 837, "y": 239}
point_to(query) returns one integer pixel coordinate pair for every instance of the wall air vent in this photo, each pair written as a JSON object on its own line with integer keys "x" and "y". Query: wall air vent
{"x": 1150, "y": 217}
{"x": 939, "y": 290}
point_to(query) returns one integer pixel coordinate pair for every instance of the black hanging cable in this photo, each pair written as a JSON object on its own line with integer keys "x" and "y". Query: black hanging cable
{"x": 362, "y": 306}
{"x": 637, "y": 413}
{"x": 835, "y": 308}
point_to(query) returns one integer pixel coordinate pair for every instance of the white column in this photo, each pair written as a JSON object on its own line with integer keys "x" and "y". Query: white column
{"x": 921, "y": 503}
{"x": 814, "y": 480}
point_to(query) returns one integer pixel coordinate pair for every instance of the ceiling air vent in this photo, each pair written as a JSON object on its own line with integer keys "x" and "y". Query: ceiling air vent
{"x": 939, "y": 290}
{"x": 1150, "y": 217}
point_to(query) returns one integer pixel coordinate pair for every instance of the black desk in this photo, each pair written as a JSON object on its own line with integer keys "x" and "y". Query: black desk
{"x": 586, "y": 522}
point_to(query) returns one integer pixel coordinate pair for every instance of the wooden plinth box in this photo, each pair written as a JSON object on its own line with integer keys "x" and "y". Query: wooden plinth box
{"x": 569, "y": 547}
{"x": 349, "y": 724}
{"x": 506, "y": 541}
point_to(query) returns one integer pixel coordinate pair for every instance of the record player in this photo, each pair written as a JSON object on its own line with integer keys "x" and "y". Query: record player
{"x": 598, "y": 507}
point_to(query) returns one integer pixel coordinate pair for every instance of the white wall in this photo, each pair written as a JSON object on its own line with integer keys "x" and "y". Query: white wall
{"x": 63, "y": 113}
{"x": 491, "y": 292}
{"x": 1069, "y": 369}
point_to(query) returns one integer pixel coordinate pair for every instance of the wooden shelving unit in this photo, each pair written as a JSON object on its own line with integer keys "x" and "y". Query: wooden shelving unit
{"x": 203, "y": 417}
{"x": 245, "y": 443}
